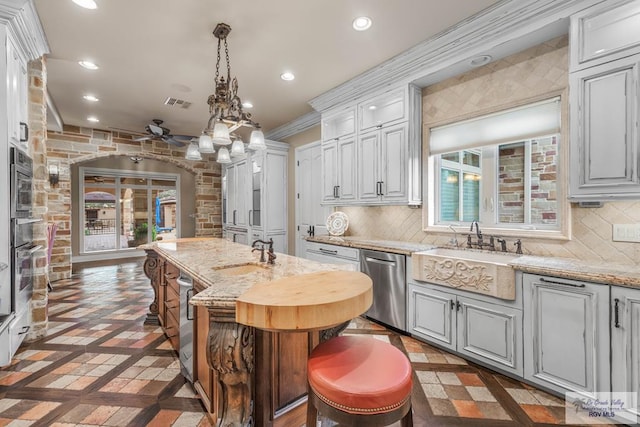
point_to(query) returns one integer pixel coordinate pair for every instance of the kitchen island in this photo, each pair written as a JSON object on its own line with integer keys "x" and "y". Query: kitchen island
{"x": 244, "y": 375}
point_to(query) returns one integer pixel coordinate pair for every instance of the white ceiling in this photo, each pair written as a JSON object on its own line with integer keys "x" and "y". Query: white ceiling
{"x": 149, "y": 50}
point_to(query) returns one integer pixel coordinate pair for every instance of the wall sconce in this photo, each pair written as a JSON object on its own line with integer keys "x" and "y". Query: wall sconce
{"x": 54, "y": 173}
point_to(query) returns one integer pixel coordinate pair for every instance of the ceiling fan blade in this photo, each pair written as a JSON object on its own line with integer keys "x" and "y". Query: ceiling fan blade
{"x": 182, "y": 137}
{"x": 169, "y": 140}
{"x": 143, "y": 138}
{"x": 156, "y": 130}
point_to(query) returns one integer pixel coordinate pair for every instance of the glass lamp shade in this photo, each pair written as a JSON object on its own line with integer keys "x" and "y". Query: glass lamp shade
{"x": 256, "y": 142}
{"x": 237, "y": 148}
{"x": 223, "y": 155}
{"x": 192, "y": 152}
{"x": 221, "y": 134}
{"x": 205, "y": 144}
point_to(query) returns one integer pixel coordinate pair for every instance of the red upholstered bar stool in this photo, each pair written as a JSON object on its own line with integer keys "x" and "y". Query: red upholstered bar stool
{"x": 359, "y": 381}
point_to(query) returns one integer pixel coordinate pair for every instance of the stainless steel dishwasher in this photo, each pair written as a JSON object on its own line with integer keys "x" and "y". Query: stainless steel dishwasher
{"x": 387, "y": 271}
{"x": 186, "y": 326}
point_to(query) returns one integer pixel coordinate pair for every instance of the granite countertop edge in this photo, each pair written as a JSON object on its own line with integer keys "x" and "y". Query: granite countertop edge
{"x": 602, "y": 272}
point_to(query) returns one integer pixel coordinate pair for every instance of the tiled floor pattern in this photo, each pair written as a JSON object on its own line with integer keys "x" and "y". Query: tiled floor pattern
{"x": 99, "y": 365}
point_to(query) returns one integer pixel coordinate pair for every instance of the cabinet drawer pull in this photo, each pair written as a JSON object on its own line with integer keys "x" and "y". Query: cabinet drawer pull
{"x": 543, "y": 280}
{"x": 616, "y": 313}
{"x": 3, "y": 266}
{"x": 24, "y": 330}
{"x": 327, "y": 251}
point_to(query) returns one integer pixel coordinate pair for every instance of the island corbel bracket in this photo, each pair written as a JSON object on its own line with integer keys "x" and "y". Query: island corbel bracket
{"x": 153, "y": 266}
{"x": 231, "y": 353}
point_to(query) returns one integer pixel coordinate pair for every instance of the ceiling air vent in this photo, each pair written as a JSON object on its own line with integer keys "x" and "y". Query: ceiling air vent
{"x": 175, "y": 102}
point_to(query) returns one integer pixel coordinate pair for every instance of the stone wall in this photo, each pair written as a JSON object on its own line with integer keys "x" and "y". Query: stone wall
{"x": 53, "y": 202}
{"x": 77, "y": 145}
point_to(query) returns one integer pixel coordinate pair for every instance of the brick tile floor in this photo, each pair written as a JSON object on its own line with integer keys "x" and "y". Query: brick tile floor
{"x": 99, "y": 365}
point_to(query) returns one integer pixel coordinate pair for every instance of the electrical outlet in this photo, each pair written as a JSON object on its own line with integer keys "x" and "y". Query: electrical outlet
{"x": 626, "y": 233}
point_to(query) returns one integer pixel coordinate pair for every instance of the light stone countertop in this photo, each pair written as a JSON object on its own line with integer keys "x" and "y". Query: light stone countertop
{"x": 591, "y": 271}
{"x": 403, "y": 248}
{"x": 204, "y": 259}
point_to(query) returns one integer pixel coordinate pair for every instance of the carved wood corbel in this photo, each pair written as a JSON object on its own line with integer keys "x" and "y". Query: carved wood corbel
{"x": 153, "y": 266}
{"x": 231, "y": 354}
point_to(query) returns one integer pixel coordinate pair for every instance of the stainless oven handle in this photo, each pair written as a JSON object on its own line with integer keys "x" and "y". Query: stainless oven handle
{"x": 32, "y": 250}
{"x": 22, "y": 221}
{"x": 380, "y": 261}
{"x": 3, "y": 266}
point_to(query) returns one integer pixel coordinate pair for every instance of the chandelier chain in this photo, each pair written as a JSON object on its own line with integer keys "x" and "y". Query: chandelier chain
{"x": 218, "y": 62}
{"x": 226, "y": 53}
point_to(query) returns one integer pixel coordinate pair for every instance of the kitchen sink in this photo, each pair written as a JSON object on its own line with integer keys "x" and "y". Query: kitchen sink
{"x": 486, "y": 273}
{"x": 240, "y": 269}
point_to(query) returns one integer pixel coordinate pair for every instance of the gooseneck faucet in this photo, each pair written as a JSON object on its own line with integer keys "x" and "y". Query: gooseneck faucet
{"x": 478, "y": 232}
{"x": 271, "y": 254}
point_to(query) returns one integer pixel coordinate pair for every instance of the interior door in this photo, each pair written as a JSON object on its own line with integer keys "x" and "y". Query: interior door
{"x": 311, "y": 216}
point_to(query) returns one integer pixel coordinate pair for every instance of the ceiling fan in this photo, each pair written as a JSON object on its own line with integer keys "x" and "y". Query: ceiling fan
{"x": 158, "y": 132}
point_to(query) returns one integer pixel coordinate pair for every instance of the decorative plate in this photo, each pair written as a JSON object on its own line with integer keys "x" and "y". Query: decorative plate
{"x": 337, "y": 223}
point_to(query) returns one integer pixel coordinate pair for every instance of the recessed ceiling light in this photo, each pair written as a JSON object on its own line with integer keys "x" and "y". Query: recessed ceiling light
{"x": 93, "y": 119}
{"x": 287, "y": 76}
{"x": 372, "y": 107}
{"x": 87, "y": 4}
{"x": 91, "y": 98}
{"x": 247, "y": 104}
{"x": 480, "y": 60}
{"x": 361, "y": 23}
{"x": 88, "y": 65}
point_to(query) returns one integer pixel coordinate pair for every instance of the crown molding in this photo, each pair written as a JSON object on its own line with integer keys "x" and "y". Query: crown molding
{"x": 295, "y": 126}
{"x": 21, "y": 18}
{"x": 499, "y": 25}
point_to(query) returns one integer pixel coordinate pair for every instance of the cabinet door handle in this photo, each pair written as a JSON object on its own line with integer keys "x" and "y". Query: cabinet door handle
{"x": 543, "y": 280}
{"x": 458, "y": 306}
{"x": 250, "y": 212}
{"x": 616, "y": 313}
{"x": 234, "y": 217}
{"x": 24, "y": 330}
{"x": 313, "y": 230}
{"x": 24, "y": 132}
{"x": 337, "y": 191}
{"x": 3, "y": 266}
{"x": 453, "y": 304}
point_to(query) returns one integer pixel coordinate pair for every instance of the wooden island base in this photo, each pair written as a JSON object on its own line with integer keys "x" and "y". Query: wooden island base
{"x": 244, "y": 375}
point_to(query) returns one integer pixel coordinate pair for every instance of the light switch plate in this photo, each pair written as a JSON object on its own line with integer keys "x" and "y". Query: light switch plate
{"x": 626, "y": 233}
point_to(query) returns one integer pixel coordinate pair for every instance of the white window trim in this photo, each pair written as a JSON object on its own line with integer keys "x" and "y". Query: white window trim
{"x": 563, "y": 233}
{"x": 119, "y": 173}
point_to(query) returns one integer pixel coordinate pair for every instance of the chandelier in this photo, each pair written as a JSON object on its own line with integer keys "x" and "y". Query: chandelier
{"x": 226, "y": 114}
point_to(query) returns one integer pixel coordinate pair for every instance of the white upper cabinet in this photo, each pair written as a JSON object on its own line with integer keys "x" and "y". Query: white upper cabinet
{"x": 382, "y": 110}
{"x": 382, "y": 160}
{"x": 339, "y": 124}
{"x": 605, "y": 32}
{"x": 379, "y": 163}
{"x": 17, "y": 95}
{"x": 255, "y": 199}
{"x": 604, "y": 98}
{"x": 237, "y": 183}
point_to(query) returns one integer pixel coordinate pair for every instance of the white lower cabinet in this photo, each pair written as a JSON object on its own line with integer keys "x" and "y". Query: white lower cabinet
{"x": 487, "y": 330}
{"x": 625, "y": 341}
{"x": 566, "y": 334}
